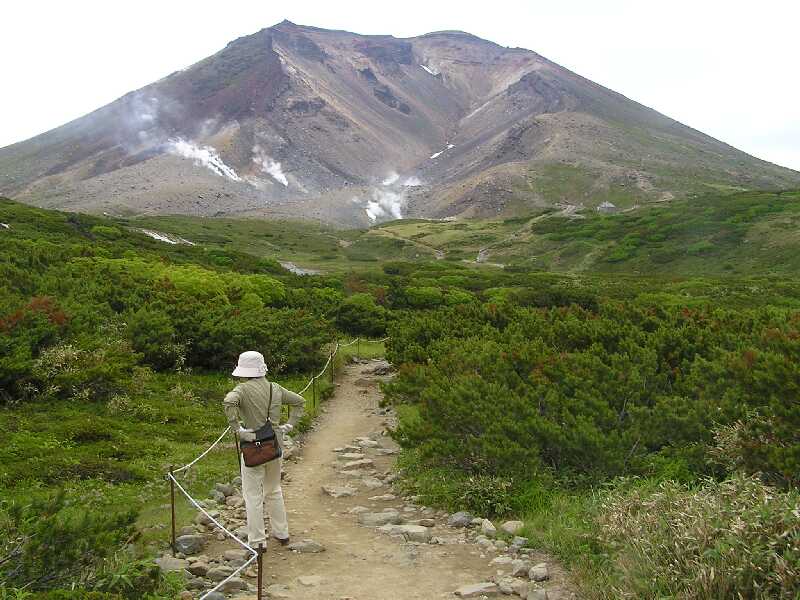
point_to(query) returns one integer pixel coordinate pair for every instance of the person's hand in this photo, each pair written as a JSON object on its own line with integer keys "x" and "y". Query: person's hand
{"x": 286, "y": 428}
{"x": 247, "y": 435}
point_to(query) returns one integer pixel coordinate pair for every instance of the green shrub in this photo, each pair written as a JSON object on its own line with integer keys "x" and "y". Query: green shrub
{"x": 152, "y": 335}
{"x": 47, "y": 545}
{"x": 360, "y": 315}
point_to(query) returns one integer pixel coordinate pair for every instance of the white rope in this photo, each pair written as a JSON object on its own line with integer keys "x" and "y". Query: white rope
{"x": 219, "y": 439}
{"x": 231, "y": 535}
{"x": 205, "y": 512}
{"x": 227, "y": 579}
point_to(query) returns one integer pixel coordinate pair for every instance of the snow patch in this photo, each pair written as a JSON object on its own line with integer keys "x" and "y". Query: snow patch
{"x": 433, "y": 72}
{"x": 205, "y": 156}
{"x": 442, "y": 151}
{"x": 293, "y": 268}
{"x": 165, "y": 237}
{"x": 412, "y": 181}
{"x": 269, "y": 166}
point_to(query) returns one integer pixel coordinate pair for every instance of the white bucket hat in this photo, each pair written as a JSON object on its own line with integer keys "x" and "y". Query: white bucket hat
{"x": 251, "y": 364}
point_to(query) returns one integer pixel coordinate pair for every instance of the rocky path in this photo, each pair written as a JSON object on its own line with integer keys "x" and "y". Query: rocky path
{"x": 355, "y": 538}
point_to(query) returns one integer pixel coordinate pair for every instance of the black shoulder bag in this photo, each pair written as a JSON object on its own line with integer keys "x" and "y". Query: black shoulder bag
{"x": 265, "y": 448}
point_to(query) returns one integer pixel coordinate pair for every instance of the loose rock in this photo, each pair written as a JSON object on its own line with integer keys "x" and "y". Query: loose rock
{"x": 460, "y": 519}
{"x": 168, "y": 563}
{"x": 412, "y": 533}
{"x": 233, "y": 584}
{"x": 512, "y": 527}
{"x": 357, "y": 464}
{"x": 477, "y": 590}
{"x": 488, "y": 529}
{"x": 225, "y": 488}
{"x": 539, "y": 572}
{"x": 306, "y": 546}
{"x": 381, "y": 518}
{"x": 339, "y": 491}
{"x": 310, "y": 580}
{"x": 219, "y": 573}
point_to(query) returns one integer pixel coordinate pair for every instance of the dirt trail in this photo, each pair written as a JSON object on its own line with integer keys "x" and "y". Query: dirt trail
{"x": 363, "y": 563}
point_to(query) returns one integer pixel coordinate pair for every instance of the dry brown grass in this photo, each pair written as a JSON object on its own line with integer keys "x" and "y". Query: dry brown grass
{"x": 735, "y": 539}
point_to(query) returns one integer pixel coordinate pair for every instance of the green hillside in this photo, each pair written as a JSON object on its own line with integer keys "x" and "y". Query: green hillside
{"x": 747, "y": 233}
{"x": 568, "y": 398}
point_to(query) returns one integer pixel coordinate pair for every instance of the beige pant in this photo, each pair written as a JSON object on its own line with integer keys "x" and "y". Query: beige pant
{"x": 262, "y": 485}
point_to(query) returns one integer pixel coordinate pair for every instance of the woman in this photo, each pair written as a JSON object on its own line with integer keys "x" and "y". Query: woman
{"x": 247, "y": 408}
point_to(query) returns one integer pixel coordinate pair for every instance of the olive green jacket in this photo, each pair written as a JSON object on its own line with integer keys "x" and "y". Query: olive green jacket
{"x": 247, "y": 404}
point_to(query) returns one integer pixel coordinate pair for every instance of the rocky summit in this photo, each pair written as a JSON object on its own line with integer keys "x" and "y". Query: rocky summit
{"x": 349, "y": 129}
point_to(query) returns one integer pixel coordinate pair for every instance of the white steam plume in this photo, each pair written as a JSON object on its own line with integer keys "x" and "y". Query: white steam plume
{"x": 205, "y": 156}
{"x": 391, "y": 178}
{"x": 385, "y": 204}
{"x": 269, "y": 166}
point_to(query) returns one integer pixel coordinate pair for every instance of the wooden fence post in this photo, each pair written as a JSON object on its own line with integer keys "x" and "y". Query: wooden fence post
{"x": 172, "y": 505}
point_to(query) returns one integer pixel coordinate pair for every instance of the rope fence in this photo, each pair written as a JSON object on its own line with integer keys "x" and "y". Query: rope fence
{"x": 256, "y": 553}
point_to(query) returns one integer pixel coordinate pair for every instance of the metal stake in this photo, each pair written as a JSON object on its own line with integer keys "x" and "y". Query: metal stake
{"x": 172, "y": 504}
{"x": 260, "y": 564}
{"x": 332, "y": 368}
{"x": 314, "y": 392}
{"x": 358, "y": 347}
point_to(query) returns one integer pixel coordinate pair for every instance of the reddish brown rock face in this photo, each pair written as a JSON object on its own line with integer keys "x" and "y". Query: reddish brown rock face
{"x": 300, "y": 121}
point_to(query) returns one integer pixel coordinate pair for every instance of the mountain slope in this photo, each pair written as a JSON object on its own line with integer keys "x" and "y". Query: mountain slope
{"x": 349, "y": 129}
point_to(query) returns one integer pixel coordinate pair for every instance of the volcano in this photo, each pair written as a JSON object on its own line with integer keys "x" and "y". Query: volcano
{"x": 296, "y": 121}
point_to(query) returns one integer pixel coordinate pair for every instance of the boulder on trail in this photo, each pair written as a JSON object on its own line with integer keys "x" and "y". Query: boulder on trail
{"x": 189, "y": 544}
{"x": 477, "y": 590}
{"x": 234, "y": 584}
{"x": 383, "y": 498}
{"x": 202, "y": 519}
{"x": 215, "y": 596}
{"x": 235, "y": 554}
{"x": 168, "y": 563}
{"x": 339, "y": 491}
{"x": 219, "y": 573}
{"x": 306, "y": 546}
{"x": 381, "y": 518}
{"x": 234, "y": 501}
{"x": 351, "y": 456}
{"x": 372, "y": 483}
{"x": 512, "y": 527}
{"x": 488, "y": 529}
{"x": 460, "y": 519}
{"x": 310, "y": 580}
{"x": 199, "y": 568}
{"x": 412, "y": 533}
{"x": 539, "y": 572}
{"x": 520, "y": 568}
{"x": 357, "y": 464}
{"x": 537, "y": 594}
{"x": 224, "y": 488}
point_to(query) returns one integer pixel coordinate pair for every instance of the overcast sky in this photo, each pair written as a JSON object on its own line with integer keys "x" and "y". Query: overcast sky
{"x": 729, "y": 68}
